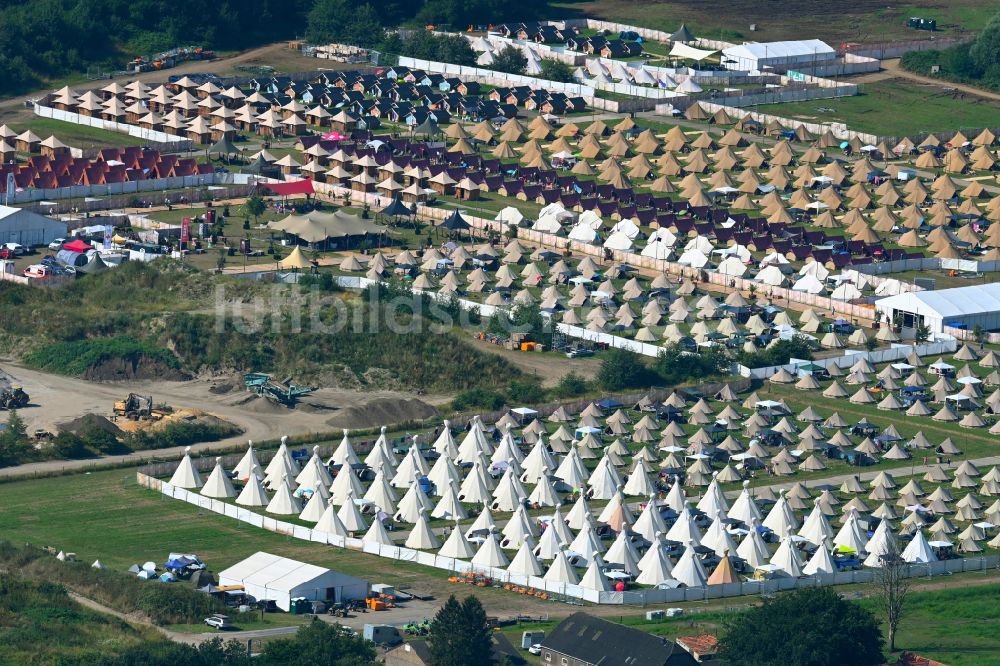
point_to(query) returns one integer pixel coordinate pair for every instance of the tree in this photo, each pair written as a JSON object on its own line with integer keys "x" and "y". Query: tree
{"x": 318, "y": 643}
{"x": 922, "y": 333}
{"x": 871, "y": 343}
{"x": 255, "y": 207}
{"x": 891, "y": 587}
{"x": 985, "y": 51}
{"x": 556, "y": 70}
{"x": 69, "y": 445}
{"x": 571, "y": 385}
{"x": 510, "y": 60}
{"x": 807, "y": 627}
{"x": 343, "y": 21}
{"x": 459, "y": 634}
{"x": 14, "y": 442}
{"x": 978, "y": 334}
{"x": 621, "y": 369}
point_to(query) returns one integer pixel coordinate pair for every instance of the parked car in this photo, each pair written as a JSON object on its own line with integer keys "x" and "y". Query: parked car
{"x": 7, "y": 253}
{"x": 535, "y": 649}
{"x": 218, "y": 621}
{"x": 16, "y": 248}
{"x": 579, "y": 353}
{"x": 57, "y": 244}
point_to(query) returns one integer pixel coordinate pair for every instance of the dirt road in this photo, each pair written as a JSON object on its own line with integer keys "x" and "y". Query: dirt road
{"x": 892, "y": 67}
{"x": 56, "y": 399}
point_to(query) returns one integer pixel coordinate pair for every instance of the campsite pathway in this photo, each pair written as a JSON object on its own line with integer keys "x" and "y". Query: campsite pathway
{"x": 899, "y": 72}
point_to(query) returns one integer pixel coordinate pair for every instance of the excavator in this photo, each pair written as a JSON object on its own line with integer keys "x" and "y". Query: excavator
{"x": 13, "y": 397}
{"x": 136, "y": 407}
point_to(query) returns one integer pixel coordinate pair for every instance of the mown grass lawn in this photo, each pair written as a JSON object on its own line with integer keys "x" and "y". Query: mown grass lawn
{"x": 896, "y": 107}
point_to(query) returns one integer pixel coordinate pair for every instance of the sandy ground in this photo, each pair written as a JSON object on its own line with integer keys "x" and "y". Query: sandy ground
{"x": 56, "y": 399}
{"x": 549, "y": 368}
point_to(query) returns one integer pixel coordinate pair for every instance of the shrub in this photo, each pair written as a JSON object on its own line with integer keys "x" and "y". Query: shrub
{"x": 478, "y": 398}
{"x": 621, "y": 369}
{"x": 571, "y": 385}
{"x": 778, "y": 354}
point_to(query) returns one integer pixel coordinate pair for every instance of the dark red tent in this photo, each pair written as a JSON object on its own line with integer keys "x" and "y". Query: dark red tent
{"x": 304, "y": 186}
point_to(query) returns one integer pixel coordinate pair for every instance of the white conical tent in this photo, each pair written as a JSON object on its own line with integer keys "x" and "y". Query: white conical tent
{"x": 816, "y": 529}
{"x": 344, "y": 455}
{"x": 560, "y": 571}
{"x": 587, "y": 544}
{"x": 851, "y": 537}
{"x": 313, "y": 471}
{"x": 282, "y": 463}
{"x": 571, "y": 470}
{"x": 509, "y": 493}
{"x": 445, "y": 443}
{"x": 744, "y": 508}
{"x": 918, "y": 551}
{"x": 218, "y": 484}
{"x": 579, "y": 515}
{"x": 330, "y": 522}
{"x": 550, "y": 543}
{"x": 381, "y": 451}
{"x": 247, "y": 463}
{"x": 346, "y": 482}
{"x": 883, "y": 542}
{"x": 475, "y": 489}
{"x": 483, "y": 523}
{"x": 490, "y": 554}
{"x": 413, "y": 503}
{"x": 350, "y": 515}
{"x": 787, "y": 558}
{"x": 544, "y": 494}
{"x": 413, "y": 464}
{"x": 449, "y": 506}
{"x": 780, "y": 519}
{"x": 537, "y": 463}
{"x": 655, "y": 566}
{"x": 253, "y": 492}
{"x": 421, "y": 536}
{"x": 689, "y": 570}
{"x": 456, "y": 545}
{"x": 381, "y": 494}
{"x": 753, "y": 549}
{"x": 623, "y": 552}
{"x": 718, "y": 538}
{"x": 316, "y": 506}
{"x": 713, "y": 500}
{"x": 525, "y": 563}
{"x": 284, "y": 503}
{"x": 821, "y": 562}
{"x": 594, "y": 578}
{"x": 186, "y": 476}
{"x": 378, "y": 534}
{"x": 684, "y": 529}
{"x": 638, "y": 483}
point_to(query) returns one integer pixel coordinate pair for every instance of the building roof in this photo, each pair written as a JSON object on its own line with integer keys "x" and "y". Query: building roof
{"x": 702, "y": 645}
{"x": 596, "y": 641}
{"x": 961, "y": 301}
{"x": 768, "y": 50}
{"x": 277, "y": 573}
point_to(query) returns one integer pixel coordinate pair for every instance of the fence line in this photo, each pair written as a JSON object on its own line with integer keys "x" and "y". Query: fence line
{"x": 175, "y": 143}
{"x": 635, "y": 597}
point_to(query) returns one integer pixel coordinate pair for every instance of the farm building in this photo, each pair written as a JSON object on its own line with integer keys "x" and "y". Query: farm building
{"x": 266, "y": 576}
{"x": 964, "y": 307}
{"x": 18, "y": 225}
{"x": 758, "y": 56}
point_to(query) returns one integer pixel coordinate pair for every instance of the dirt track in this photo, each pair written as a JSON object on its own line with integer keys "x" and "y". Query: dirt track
{"x": 56, "y": 399}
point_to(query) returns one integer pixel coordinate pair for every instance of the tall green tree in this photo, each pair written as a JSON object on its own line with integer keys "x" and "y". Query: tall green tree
{"x": 14, "y": 442}
{"x": 510, "y": 60}
{"x": 985, "y": 51}
{"x": 621, "y": 369}
{"x": 556, "y": 70}
{"x": 808, "y": 627}
{"x": 459, "y": 634}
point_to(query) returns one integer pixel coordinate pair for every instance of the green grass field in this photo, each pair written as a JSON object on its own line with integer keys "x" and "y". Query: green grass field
{"x": 76, "y": 136}
{"x": 895, "y": 108}
{"x": 108, "y": 516}
{"x": 730, "y": 20}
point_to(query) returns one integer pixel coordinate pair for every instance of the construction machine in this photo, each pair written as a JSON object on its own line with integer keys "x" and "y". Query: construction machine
{"x": 135, "y": 407}
{"x": 13, "y": 397}
{"x": 284, "y": 392}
